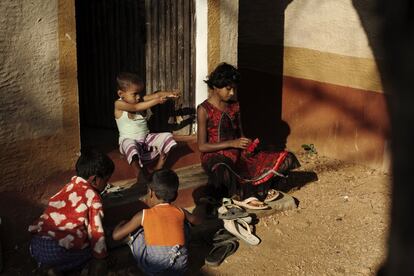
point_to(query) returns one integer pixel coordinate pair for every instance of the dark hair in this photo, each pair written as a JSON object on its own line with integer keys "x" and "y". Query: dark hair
{"x": 224, "y": 75}
{"x": 92, "y": 162}
{"x": 125, "y": 79}
{"x": 165, "y": 185}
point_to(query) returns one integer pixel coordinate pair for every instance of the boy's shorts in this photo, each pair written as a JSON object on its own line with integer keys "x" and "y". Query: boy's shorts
{"x": 47, "y": 252}
{"x": 153, "y": 260}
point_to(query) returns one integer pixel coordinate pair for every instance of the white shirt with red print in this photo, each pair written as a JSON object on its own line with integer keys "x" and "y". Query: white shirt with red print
{"x": 73, "y": 217}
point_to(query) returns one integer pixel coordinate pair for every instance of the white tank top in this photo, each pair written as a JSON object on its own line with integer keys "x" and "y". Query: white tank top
{"x": 131, "y": 128}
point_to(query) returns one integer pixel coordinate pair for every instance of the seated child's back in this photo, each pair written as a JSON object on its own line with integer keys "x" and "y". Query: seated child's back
{"x": 160, "y": 246}
{"x": 70, "y": 230}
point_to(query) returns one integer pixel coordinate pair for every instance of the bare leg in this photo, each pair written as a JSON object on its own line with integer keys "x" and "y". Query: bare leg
{"x": 136, "y": 163}
{"x": 142, "y": 172}
{"x": 161, "y": 161}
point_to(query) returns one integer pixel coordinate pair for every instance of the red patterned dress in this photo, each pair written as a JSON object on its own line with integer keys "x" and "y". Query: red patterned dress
{"x": 230, "y": 165}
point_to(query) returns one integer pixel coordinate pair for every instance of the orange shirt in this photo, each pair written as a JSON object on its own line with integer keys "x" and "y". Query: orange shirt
{"x": 164, "y": 225}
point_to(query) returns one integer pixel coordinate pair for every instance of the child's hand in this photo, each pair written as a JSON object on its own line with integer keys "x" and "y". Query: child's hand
{"x": 176, "y": 93}
{"x": 161, "y": 99}
{"x": 170, "y": 94}
{"x": 240, "y": 143}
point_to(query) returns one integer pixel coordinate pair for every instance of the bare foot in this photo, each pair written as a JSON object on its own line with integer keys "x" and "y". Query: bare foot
{"x": 272, "y": 194}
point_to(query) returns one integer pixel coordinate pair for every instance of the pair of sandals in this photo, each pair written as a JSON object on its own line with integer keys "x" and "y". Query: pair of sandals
{"x": 236, "y": 226}
{"x": 224, "y": 245}
{"x": 237, "y": 221}
{"x": 254, "y": 203}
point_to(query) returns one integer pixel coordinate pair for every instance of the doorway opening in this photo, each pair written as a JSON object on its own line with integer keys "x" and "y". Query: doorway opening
{"x": 154, "y": 39}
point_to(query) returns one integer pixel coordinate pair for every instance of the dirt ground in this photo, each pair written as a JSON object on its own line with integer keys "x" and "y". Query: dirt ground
{"x": 339, "y": 228}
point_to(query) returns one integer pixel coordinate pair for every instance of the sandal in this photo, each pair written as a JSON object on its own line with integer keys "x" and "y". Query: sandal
{"x": 242, "y": 230}
{"x": 272, "y": 194}
{"x": 230, "y": 211}
{"x": 220, "y": 251}
{"x": 248, "y": 203}
{"x": 223, "y": 235}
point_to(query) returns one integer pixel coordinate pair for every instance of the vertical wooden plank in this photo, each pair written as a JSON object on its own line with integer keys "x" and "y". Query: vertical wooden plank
{"x": 186, "y": 50}
{"x": 148, "y": 45}
{"x": 155, "y": 34}
{"x": 161, "y": 37}
{"x": 143, "y": 36}
{"x": 192, "y": 55}
{"x": 173, "y": 39}
{"x": 167, "y": 44}
{"x": 180, "y": 50}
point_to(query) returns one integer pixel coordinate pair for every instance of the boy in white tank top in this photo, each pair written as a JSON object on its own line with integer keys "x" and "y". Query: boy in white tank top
{"x": 135, "y": 141}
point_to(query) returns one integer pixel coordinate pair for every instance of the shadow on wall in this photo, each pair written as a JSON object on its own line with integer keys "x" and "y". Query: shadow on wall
{"x": 260, "y": 60}
{"x": 318, "y": 96}
{"x": 164, "y": 117}
{"x": 371, "y": 21}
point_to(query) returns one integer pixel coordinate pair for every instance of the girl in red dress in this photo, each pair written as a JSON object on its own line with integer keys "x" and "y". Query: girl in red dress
{"x": 226, "y": 155}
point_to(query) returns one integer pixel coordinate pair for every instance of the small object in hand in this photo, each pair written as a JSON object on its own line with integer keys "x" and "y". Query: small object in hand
{"x": 250, "y": 149}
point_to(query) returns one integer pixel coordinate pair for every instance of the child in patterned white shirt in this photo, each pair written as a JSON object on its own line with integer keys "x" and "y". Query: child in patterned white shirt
{"x": 70, "y": 232}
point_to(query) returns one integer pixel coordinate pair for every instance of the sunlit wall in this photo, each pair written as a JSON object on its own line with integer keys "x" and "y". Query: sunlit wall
{"x": 39, "y": 128}
{"x": 333, "y": 96}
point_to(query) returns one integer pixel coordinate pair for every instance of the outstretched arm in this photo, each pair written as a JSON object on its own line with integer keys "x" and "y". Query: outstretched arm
{"x": 124, "y": 229}
{"x": 141, "y": 106}
{"x": 204, "y": 146}
{"x": 168, "y": 94}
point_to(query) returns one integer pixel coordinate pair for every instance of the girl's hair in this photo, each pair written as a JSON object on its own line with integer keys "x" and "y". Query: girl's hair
{"x": 165, "y": 185}
{"x": 92, "y": 162}
{"x": 224, "y": 75}
{"x": 125, "y": 79}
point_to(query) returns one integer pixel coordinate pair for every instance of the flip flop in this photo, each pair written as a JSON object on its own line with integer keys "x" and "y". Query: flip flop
{"x": 223, "y": 235}
{"x": 220, "y": 251}
{"x": 248, "y": 219}
{"x": 272, "y": 194}
{"x": 231, "y": 211}
{"x": 245, "y": 204}
{"x": 241, "y": 229}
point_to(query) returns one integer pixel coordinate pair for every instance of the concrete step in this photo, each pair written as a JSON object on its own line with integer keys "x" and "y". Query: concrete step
{"x": 131, "y": 198}
{"x": 126, "y": 198}
{"x": 185, "y": 154}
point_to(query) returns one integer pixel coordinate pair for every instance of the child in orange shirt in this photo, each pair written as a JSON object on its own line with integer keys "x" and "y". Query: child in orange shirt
{"x": 160, "y": 246}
